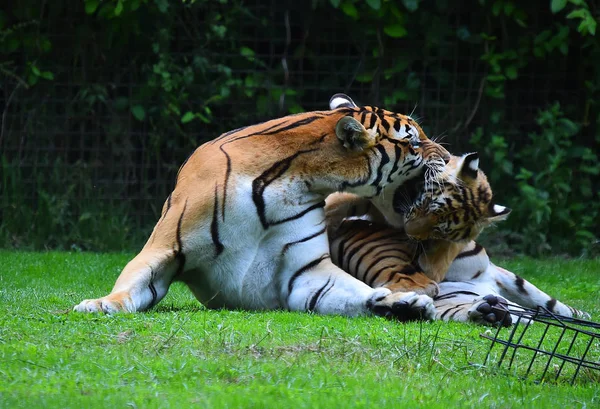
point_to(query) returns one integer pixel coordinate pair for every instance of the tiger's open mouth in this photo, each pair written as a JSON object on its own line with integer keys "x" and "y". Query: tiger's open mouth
{"x": 406, "y": 194}
{"x": 412, "y": 191}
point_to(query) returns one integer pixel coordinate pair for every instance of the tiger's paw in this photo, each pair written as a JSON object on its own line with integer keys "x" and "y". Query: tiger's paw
{"x": 490, "y": 310}
{"x": 112, "y": 303}
{"x": 402, "y": 306}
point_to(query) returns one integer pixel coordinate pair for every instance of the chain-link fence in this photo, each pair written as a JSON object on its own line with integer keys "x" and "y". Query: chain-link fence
{"x": 76, "y": 137}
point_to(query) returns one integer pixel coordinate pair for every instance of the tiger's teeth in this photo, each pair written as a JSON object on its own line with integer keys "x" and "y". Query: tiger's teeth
{"x": 499, "y": 209}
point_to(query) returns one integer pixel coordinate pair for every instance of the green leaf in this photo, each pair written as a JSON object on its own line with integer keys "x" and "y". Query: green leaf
{"x": 247, "y": 52}
{"x": 411, "y": 5}
{"x": 121, "y": 103}
{"x": 187, "y": 117}
{"x": 85, "y": 216}
{"x": 374, "y": 4}
{"x": 497, "y": 8}
{"x": 395, "y": 30}
{"x": 47, "y": 75}
{"x": 91, "y": 6}
{"x": 511, "y": 72}
{"x": 119, "y": 8}
{"x": 335, "y": 3}
{"x": 36, "y": 71}
{"x": 579, "y": 13}
{"x": 350, "y": 10}
{"x": 557, "y": 5}
{"x": 138, "y": 112}
{"x": 366, "y": 77}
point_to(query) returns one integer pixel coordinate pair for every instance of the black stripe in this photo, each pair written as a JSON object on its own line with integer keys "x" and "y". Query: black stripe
{"x": 372, "y": 121}
{"x": 375, "y": 244}
{"x": 227, "y": 174}
{"x": 305, "y": 239}
{"x": 477, "y": 274}
{"x": 399, "y": 155}
{"x": 408, "y": 270}
{"x": 257, "y": 133}
{"x": 384, "y": 160}
{"x": 466, "y": 233}
{"x": 214, "y": 226}
{"x": 313, "y": 301}
{"x": 299, "y": 215}
{"x": 359, "y": 182}
{"x": 357, "y": 241}
{"x": 551, "y": 304}
{"x": 375, "y": 262}
{"x": 363, "y": 117}
{"x": 456, "y": 307}
{"x": 226, "y": 134}
{"x": 168, "y": 203}
{"x": 154, "y": 294}
{"x": 397, "y": 125}
{"x": 399, "y": 277}
{"x": 294, "y": 125}
{"x": 478, "y": 248}
{"x": 179, "y": 256}
{"x": 520, "y": 285}
{"x": 411, "y": 163}
{"x": 454, "y": 294}
{"x": 166, "y": 211}
{"x": 321, "y": 139}
{"x": 265, "y": 179}
{"x": 303, "y": 270}
{"x": 376, "y": 275}
{"x": 261, "y": 132}
{"x": 385, "y": 124}
{"x": 327, "y": 290}
{"x": 454, "y": 313}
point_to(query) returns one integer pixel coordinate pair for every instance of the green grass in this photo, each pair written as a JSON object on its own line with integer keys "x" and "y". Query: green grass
{"x": 181, "y": 355}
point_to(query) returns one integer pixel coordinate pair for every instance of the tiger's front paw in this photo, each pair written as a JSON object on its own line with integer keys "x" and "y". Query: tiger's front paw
{"x": 402, "y": 306}
{"x": 112, "y": 303}
{"x": 490, "y": 310}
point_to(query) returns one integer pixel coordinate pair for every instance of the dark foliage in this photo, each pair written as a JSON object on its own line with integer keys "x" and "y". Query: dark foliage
{"x": 102, "y": 100}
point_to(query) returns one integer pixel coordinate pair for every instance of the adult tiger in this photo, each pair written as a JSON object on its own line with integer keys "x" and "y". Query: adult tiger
{"x": 245, "y": 226}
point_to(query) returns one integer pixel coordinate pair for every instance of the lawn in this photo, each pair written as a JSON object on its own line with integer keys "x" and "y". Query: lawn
{"x": 181, "y": 355}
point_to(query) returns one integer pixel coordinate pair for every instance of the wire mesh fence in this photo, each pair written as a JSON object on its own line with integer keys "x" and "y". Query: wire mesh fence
{"x": 558, "y": 349}
{"x": 76, "y": 139}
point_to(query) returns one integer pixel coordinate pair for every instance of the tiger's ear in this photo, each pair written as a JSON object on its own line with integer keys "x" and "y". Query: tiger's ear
{"x": 497, "y": 213}
{"x": 354, "y": 135}
{"x": 469, "y": 167}
{"x": 341, "y": 101}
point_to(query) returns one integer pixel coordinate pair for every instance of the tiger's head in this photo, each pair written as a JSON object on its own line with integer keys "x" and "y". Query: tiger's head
{"x": 398, "y": 150}
{"x": 454, "y": 204}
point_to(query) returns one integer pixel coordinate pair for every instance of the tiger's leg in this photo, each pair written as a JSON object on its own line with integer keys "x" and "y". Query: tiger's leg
{"x": 339, "y": 206}
{"x": 326, "y": 289}
{"x": 528, "y": 295}
{"x": 406, "y": 278}
{"x": 466, "y": 302}
{"x": 145, "y": 280}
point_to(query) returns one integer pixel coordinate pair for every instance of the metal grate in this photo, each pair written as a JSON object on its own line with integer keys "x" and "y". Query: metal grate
{"x": 568, "y": 349}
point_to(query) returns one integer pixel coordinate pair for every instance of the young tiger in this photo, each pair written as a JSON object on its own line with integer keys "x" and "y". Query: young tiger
{"x": 460, "y": 206}
{"x": 245, "y": 226}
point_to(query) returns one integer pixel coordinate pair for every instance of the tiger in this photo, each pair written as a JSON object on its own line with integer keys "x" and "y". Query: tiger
{"x": 244, "y": 227}
{"x": 440, "y": 217}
